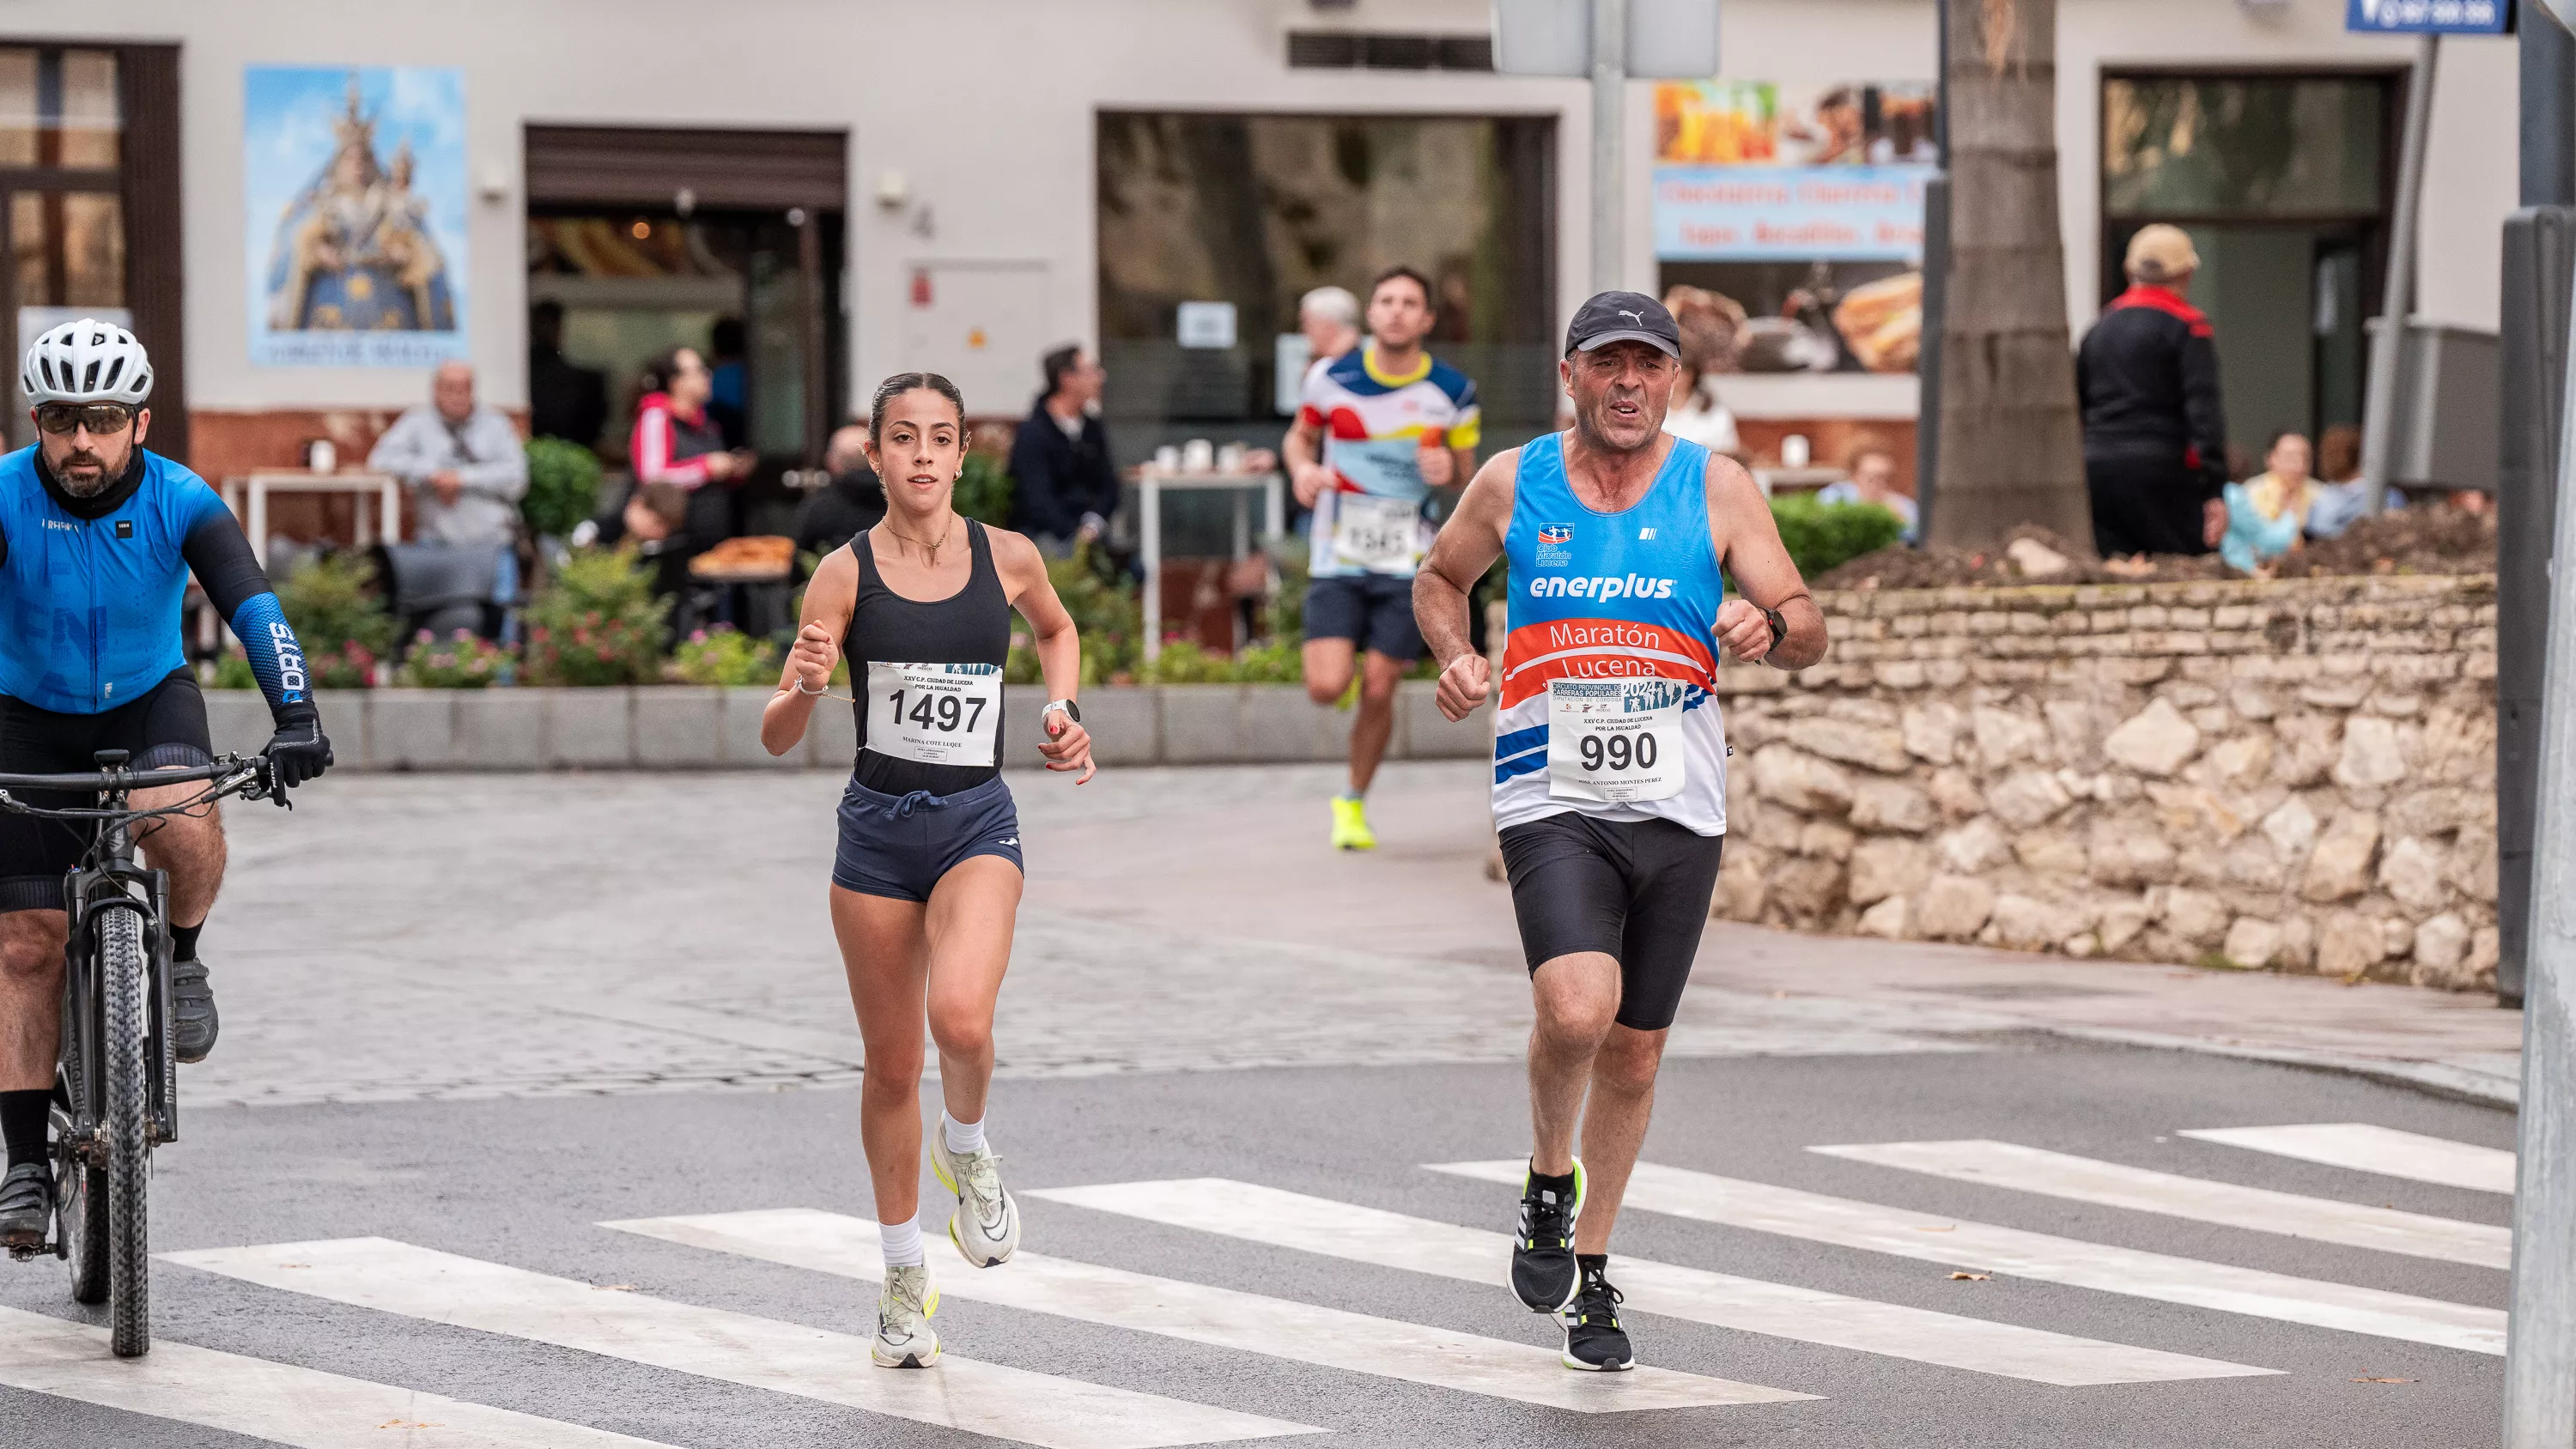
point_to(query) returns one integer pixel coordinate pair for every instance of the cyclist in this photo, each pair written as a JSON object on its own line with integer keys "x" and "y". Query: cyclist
{"x": 928, "y": 874}
{"x": 1609, "y": 757}
{"x": 97, "y": 538}
{"x": 1380, "y": 428}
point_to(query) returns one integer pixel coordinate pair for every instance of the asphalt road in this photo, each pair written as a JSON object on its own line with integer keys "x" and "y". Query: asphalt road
{"x": 528, "y": 1183}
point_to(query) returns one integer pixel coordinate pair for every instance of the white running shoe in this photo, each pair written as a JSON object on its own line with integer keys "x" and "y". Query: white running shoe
{"x": 986, "y": 1225}
{"x": 905, "y": 1338}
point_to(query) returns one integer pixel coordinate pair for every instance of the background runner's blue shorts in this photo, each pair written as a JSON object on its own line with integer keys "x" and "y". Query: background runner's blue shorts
{"x": 899, "y": 846}
{"x": 1373, "y": 611}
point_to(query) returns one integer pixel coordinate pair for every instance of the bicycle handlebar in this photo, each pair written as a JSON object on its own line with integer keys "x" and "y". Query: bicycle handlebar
{"x": 262, "y": 780}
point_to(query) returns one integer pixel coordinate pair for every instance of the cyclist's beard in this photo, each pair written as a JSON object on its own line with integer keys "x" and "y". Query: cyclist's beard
{"x": 83, "y": 475}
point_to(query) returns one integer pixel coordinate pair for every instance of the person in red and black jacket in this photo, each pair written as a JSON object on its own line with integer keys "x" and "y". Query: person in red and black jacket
{"x": 2155, "y": 433}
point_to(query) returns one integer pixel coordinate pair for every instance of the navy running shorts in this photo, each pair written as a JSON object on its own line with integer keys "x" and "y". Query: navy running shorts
{"x": 898, "y": 846}
{"x": 1636, "y": 891}
{"x": 1373, "y": 611}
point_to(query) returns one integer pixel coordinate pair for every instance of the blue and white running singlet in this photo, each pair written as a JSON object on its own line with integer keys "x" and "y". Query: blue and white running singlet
{"x": 1606, "y": 707}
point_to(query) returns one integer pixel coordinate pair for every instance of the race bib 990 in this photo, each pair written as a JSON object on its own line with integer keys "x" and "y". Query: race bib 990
{"x": 936, "y": 714}
{"x": 1615, "y": 740}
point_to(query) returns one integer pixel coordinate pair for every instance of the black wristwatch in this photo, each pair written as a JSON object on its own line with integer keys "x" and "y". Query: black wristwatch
{"x": 1779, "y": 627}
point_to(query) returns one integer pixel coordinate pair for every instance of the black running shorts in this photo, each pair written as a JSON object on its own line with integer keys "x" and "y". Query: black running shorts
{"x": 1373, "y": 611}
{"x": 1636, "y": 891}
{"x": 163, "y": 728}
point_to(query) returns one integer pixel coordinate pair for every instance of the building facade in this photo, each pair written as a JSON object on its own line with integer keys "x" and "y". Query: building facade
{"x": 825, "y": 193}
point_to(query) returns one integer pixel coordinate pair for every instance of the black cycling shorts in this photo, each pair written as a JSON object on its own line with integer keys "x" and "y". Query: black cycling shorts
{"x": 165, "y": 727}
{"x": 1373, "y": 611}
{"x": 1636, "y": 891}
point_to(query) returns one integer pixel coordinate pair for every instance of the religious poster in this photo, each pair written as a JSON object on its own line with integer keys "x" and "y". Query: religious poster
{"x": 356, "y": 182}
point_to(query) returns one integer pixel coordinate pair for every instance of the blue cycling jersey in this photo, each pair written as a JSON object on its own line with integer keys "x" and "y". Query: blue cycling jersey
{"x": 90, "y": 589}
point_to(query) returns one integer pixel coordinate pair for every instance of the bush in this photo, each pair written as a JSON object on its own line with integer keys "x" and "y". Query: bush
{"x": 331, "y": 603}
{"x": 463, "y": 660}
{"x": 563, "y": 487}
{"x": 984, "y": 491}
{"x": 1820, "y": 536}
{"x": 596, "y": 622}
{"x": 724, "y": 655}
{"x": 1184, "y": 662}
{"x": 1108, "y": 612}
{"x": 1280, "y": 661}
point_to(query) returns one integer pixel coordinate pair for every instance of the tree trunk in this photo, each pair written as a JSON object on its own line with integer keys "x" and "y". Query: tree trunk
{"x": 2012, "y": 444}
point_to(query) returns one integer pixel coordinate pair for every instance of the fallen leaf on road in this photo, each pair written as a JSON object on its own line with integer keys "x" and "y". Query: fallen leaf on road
{"x": 2383, "y": 1381}
{"x": 1970, "y": 1277}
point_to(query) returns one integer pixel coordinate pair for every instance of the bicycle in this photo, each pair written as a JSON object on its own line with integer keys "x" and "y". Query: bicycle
{"x": 116, "y": 1084}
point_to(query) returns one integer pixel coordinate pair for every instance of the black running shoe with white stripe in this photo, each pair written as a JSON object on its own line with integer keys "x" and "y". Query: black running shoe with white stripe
{"x": 1544, "y": 1277}
{"x": 1594, "y": 1341}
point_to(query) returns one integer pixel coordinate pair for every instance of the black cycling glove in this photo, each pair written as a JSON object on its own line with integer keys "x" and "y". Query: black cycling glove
{"x": 299, "y": 750}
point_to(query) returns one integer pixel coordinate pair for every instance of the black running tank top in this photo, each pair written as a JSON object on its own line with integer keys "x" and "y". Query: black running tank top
{"x": 971, "y": 626}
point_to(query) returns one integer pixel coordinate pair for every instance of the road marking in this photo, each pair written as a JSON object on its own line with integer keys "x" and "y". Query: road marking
{"x": 254, "y": 1397}
{"x": 787, "y": 1358}
{"x": 1391, "y": 1240}
{"x": 831, "y": 1243}
{"x": 2112, "y": 1184}
{"x": 2365, "y": 1148}
{"x": 2158, "y": 1276}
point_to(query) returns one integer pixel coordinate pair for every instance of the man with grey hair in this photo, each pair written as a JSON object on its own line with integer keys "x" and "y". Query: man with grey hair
{"x": 462, "y": 460}
{"x": 1330, "y": 318}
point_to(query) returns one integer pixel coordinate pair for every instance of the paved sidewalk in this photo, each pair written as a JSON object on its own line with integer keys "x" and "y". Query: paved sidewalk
{"x": 412, "y": 937}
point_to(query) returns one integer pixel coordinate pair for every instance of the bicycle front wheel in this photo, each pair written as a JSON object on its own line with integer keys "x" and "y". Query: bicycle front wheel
{"x": 125, "y": 998}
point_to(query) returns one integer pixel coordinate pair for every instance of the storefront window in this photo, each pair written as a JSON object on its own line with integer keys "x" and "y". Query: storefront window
{"x": 2249, "y": 146}
{"x": 2282, "y": 182}
{"x": 1251, "y": 212}
{"x": 61, "y": 134}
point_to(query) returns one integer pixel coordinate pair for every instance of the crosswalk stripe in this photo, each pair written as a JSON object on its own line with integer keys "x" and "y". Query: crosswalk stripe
{"x": 278, "y": 1402}
{"x": 2112, "y": 1184}
{"x": 787, "y": 1358}
{"x": 2385, "y": 1150}
{"x": 1392, "y": 1240}
{"x": 1817, "y": 1218}
{"x": 832, "y": 1243}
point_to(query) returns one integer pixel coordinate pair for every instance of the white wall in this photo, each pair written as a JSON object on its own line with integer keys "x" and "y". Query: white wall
{"x": 987, "y": 105}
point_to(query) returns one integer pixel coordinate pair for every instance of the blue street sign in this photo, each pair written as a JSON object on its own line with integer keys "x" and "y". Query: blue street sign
{"x": 2429, "y": 17}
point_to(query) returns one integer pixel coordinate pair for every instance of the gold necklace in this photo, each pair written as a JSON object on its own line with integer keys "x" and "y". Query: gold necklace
{"x": 932, "y": 549}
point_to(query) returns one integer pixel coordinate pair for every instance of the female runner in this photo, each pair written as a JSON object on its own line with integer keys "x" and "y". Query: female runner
{"x": 927, "y": 877}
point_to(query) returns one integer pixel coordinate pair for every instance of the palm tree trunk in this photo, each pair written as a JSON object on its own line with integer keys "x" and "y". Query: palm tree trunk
{"x": 2012, "y": 445}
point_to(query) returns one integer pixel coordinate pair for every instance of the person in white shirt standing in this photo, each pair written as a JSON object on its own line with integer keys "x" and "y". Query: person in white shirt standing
{"x": 463, "y": 462}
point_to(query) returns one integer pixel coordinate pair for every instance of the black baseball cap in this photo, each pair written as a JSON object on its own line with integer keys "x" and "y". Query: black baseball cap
{"x": 1623, "y": 317}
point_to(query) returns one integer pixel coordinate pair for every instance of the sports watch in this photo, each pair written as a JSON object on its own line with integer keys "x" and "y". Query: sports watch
{"x": 1779, "y": 627}
{"x": 1072, "y": 711}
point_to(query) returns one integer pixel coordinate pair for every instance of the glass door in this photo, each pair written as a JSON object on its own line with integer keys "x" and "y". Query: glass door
{"x": 62, "y": 218}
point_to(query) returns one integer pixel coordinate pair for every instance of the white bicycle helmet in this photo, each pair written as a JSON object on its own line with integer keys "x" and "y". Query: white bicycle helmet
{"x": 83, "y": 362}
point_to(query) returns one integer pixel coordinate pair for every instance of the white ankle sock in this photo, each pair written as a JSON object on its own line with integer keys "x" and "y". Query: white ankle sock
{"x": 903, "y": 1242}
{"x": 963, "y": 1137}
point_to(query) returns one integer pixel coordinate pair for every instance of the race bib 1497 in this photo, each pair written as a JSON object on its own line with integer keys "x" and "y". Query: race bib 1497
{"x": 937, "y": 714}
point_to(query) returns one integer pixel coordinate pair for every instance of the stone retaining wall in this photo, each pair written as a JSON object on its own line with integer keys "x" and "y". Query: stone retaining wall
{"x": 2290, "y": 773}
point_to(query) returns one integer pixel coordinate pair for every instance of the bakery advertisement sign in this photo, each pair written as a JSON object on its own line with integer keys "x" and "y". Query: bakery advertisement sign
{"x": 1764, "y": 171}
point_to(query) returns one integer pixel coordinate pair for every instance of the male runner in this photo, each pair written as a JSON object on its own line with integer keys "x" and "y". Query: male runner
{"x": 1381, "y": 427}
{"x": 97, "y": 538}
{"x": 1609, "y": 757}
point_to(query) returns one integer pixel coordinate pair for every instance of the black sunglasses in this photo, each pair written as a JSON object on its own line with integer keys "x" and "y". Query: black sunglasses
{"x": 102, "y": 419}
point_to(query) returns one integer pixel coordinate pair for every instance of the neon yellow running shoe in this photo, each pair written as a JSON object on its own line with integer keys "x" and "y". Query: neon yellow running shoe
{"x": 1350, "y": 825}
